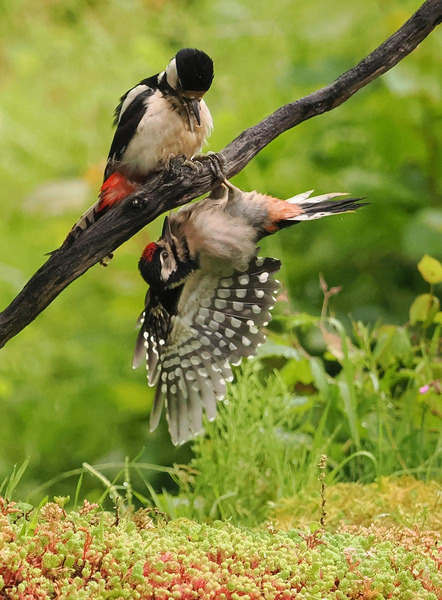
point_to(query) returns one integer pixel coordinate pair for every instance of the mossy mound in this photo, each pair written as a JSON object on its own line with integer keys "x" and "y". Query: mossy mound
{"x": 95, "y": 555}
{"x": 404, "y": 501}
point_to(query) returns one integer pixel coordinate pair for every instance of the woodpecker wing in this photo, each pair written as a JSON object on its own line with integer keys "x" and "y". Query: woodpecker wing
{"x": 155, "y": 323}
{"x": 218, "y": 321}
{"x": 128, "y": 115}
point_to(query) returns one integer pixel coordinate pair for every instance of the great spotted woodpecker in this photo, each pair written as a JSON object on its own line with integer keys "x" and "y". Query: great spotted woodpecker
{"x": 210, "y": 295}
{"x": 162, "y": 117}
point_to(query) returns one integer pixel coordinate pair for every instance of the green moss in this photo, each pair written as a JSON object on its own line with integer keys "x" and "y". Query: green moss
{"x": 390, "y": 501}
{"x": 133, "y": 558}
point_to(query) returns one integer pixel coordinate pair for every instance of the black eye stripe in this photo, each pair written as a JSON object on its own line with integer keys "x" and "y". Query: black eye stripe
{"x": 175, "y": 253}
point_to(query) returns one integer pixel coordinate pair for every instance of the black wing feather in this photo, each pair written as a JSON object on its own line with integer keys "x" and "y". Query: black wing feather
{"x": 150, "y": 82}
{"x": 128, "y": 122}
{"x": 155, "y": 326}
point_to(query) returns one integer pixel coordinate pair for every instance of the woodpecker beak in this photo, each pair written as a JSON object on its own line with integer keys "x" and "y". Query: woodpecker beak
{"x": 195, "y": 106}
{"x": 191, "y": 102}
{"x": 166, "y": 234}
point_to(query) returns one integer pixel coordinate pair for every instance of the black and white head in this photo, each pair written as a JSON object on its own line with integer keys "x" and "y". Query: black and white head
{"x": 190, "y": 74}
{"x": 166, "y": 264}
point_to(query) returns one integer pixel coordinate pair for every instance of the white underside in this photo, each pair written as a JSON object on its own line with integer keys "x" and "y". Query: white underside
{"x": 162, "y": 133}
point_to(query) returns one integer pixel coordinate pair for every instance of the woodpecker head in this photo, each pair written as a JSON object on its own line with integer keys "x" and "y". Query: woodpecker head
{"x": 165, "y": 264}
{"x": 190, "y": 74}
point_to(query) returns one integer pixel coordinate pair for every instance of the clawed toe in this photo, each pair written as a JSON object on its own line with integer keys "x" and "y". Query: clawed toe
{"x": 195, "y": 164}
{"x": 216, "y": 162}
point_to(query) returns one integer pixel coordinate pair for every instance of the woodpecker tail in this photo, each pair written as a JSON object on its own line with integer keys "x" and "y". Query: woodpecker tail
{"x": 303, "y": 208}
{"x": 83, "y": 223}
{"x": 320, "y": 206}
{"x": 114, "y": 189}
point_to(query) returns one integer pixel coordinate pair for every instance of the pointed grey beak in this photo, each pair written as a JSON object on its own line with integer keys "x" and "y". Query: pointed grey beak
{"x": 166, "y": 233}
{"x": 195, "y": 106}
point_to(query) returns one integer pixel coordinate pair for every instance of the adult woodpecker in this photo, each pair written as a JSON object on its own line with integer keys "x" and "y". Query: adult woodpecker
{"x": 210, "y": 296}
{"x": 161, "y": 117}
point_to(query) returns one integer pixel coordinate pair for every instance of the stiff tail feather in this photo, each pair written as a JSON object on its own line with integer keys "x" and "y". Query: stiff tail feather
{"x": 322, "y": 206}
{"x": 83, "y": 223}
{"x": 115, "y": 188}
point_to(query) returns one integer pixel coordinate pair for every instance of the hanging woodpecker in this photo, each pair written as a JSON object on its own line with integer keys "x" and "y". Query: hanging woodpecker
{"x": 162, "y": 117}
{"x": 210, "y": 296}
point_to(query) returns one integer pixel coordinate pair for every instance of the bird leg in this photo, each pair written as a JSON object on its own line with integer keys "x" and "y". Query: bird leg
{"x": 217, "y": 164}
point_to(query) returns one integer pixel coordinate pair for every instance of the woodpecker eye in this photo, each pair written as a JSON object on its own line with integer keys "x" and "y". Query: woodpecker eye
{"x": 164, "y": 254}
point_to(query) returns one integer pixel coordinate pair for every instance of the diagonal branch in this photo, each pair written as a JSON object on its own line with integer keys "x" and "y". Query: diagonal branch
{"x": 182, "y": 183}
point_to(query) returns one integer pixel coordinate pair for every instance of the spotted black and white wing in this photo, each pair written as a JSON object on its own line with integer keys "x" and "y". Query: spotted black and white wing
{"x": 128, "y": 115}
{"x": 155, "y": 324}
{"x": 218, "y": 321}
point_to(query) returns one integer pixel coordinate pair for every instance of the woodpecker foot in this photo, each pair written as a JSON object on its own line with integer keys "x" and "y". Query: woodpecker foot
{"x": 194, "y": 164}
{"x": 217, "y": 164}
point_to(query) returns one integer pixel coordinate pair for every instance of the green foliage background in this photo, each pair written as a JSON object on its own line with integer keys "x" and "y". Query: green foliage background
{"x": 67, "y": 391}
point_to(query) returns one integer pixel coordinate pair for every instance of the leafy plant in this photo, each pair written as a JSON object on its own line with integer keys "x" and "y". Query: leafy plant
{"x": 91, "y": 554}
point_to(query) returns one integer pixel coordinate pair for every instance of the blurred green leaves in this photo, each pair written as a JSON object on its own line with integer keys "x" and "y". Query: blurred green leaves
{"x": 430, "y": 269}
{"x": 424, "y": 309}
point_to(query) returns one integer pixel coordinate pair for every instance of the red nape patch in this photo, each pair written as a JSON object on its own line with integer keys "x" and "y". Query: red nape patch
{"x": 149, "y": 251}
{"x": 115, "y": 188}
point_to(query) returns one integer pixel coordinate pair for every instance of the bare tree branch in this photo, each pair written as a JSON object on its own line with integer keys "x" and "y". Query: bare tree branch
{"x": 183, "y": 183}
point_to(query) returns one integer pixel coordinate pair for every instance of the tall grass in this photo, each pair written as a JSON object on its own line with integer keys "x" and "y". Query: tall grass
{"x": 369, "y": 400}
{"x": 370, "y": 404}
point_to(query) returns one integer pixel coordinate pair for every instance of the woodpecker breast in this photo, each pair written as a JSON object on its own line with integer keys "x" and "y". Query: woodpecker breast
{"x": 164, "y": 131}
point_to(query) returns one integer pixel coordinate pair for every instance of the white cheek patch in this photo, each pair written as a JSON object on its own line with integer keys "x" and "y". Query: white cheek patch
{"x": 165, "y": 272}
{"x": 171, "y": 74}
